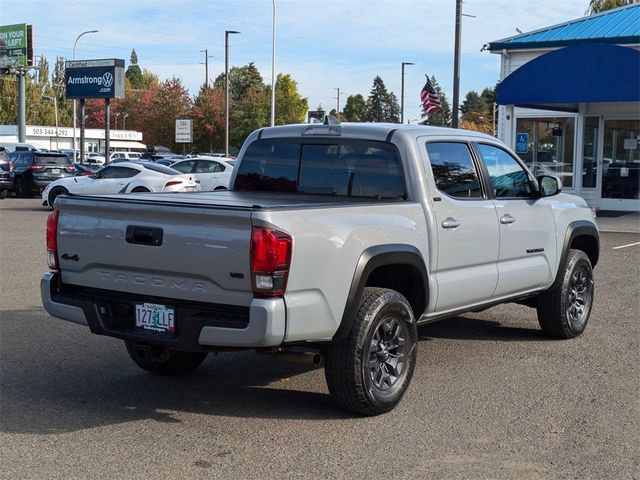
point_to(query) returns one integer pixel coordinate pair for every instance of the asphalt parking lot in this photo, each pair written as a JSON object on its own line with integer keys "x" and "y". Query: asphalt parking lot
{"x": 490, "y": 398}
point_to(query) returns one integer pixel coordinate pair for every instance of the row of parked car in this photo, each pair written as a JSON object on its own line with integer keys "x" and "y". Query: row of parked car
{"x": 53, "y": 173}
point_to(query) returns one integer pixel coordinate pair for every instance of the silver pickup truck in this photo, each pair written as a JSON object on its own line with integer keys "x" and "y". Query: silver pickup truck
{"x": 334, "y": 243}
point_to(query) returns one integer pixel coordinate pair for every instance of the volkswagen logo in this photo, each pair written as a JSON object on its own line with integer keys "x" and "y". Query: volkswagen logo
{"x": 107, "y": 79}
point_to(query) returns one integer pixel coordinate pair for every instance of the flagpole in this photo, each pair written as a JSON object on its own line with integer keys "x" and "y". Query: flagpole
{"x": 456, "y": 67}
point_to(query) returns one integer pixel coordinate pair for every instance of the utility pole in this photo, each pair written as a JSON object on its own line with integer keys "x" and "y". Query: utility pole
{"x": 337, "y": 101}
{"x": 206, "y": 67}
{"x": 226, "y": 90}
{"x": 456, "y": 65}
{"x": 402, "y": 92}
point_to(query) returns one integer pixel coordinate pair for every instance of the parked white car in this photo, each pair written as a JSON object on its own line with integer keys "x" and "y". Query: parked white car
{"x": 125, "y": 177}
{"x": 214, "y": 173}
{"x": 124, "y": 155}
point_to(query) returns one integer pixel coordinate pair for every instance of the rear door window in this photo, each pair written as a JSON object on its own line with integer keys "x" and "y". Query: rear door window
{"x": 453, "y": 169}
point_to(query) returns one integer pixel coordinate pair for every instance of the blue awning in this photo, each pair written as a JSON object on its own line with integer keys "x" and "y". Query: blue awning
{"x": 568, "y": 76}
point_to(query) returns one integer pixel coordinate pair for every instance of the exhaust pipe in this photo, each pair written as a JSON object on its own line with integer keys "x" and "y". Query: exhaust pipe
{"x": 307, "y": 358}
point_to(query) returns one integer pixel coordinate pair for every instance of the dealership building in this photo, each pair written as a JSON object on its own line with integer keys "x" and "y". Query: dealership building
{"x": 45, "y": 137}
{"x": 569, "y": 98}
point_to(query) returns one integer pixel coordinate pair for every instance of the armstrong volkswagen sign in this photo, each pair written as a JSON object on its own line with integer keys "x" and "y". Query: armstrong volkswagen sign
{"x": 95, "y": 78}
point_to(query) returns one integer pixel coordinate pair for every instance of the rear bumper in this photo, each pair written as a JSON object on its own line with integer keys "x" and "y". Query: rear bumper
{"x": 262, "y": 324}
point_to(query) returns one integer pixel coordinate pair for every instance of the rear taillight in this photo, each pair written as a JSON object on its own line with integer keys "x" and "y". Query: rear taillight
{"x": 71, "y": 169}
{"x": 35, "y": 167}
{"x": 172, "y": 182}
{"x": 270, "y": 261}
{"x": 52, "y": 240}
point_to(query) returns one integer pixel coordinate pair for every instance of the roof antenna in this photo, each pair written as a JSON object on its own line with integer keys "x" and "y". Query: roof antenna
{"x": 331, "y": 120}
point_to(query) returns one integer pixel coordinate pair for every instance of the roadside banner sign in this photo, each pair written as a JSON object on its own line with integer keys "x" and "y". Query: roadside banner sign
{"x": 522, "y": 143}
{"x": 15, "y": 45}
{"x": 103, "y": 78}
{"x": 184, "y": 130}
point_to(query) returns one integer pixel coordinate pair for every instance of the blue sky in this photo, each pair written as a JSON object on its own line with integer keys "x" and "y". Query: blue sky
{"x": 323, "y": 44}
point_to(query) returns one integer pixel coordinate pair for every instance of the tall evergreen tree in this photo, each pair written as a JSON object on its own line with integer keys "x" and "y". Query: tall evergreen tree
{"x": 133, "y": 73}
{"x": 382, "y": 106}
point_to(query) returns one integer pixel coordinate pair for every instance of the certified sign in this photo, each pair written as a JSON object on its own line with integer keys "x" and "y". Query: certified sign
{"x": 95, "y": 78}
{"x": 184, "y": 131}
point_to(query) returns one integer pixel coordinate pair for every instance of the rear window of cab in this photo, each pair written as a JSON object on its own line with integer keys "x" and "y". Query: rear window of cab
{"x": 356, "y": 168}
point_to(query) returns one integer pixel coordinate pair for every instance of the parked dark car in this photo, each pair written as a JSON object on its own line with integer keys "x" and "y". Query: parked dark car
{"x": 33, "y": 171}
{"x": 6, "y": 178}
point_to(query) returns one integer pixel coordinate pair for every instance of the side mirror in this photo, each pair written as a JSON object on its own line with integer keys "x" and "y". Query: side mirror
{"x": 549, "y": 185}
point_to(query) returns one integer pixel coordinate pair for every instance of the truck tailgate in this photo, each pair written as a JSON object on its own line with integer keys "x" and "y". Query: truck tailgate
{"x": 163, "y": 249}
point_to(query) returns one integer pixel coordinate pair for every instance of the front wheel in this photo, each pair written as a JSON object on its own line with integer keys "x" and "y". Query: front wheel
{"x": 3, "y": 193}
{"x": 369, "y": 371}
{"x": 164, "y": 361}
{"x": 564, "y": 309}
{"x": 140, "y": 190}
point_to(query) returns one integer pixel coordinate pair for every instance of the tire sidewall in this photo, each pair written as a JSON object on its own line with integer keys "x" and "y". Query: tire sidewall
{"x": 53, "y": 194}
{"x": 577, "y": 259}
{"x": 389, "y": 304}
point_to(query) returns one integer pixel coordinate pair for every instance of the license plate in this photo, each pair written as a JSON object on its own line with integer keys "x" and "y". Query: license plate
{"x": 155, "y": 317}
{"x": 55, "y": 170}
{"x": 189, "y": 189}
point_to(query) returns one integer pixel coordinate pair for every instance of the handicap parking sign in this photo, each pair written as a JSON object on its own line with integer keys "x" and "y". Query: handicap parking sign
{"x": 522, "y": 143}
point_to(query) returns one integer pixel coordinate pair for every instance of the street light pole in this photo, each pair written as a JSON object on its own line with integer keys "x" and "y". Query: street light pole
{"x": 337, "y": 101}
{"x": 74, "y": 101}
{"x": 273, "y": 66}
{"x": 124, "y": 119}
{"x": 226, "y": 90}
{"x": 402, "y": 92}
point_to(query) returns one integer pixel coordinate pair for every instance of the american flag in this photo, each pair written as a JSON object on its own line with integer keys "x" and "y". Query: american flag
{"x": 430, "y": 99}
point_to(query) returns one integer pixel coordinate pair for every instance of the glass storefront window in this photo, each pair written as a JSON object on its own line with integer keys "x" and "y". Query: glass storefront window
{"x": 590, "y": 152}
{"x": 621, "y": 160}
{"x": 550, "y": 146}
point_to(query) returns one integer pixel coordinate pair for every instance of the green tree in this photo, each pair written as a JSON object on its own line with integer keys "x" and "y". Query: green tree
{"x": 251, "y": 112}
{"x": 381, "y": 106}
{"x": 241, "y": 80}
{"x": 290, "y": 106}
{"x": 355, "y": 108}
{"x": 442, "y": 117}
{"x": 477, "y": 111}
{"x": 133, "y": 73}
{"x": 597, "y": 6}
{"x": 148, "y": 80}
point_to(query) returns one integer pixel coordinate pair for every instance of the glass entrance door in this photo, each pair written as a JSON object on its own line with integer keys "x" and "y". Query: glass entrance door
{"x": 621, "y": 165}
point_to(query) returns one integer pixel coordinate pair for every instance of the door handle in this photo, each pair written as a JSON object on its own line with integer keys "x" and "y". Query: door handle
{"x": 506, "y": 218}
{"x": 450, "y": 222}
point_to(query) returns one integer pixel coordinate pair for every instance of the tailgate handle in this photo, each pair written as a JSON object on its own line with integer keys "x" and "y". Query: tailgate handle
{"x": 144, "y": 235}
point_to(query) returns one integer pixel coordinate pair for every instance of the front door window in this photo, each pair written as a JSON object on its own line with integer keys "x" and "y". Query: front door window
{"x": 621, "y": 160}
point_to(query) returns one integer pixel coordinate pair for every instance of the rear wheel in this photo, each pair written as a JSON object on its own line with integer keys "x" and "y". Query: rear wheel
{"x": 53, "y": 194}
{"x": 21, "y": 188}
{"x": 3, "y": 193}
{"x": 164, "y": 361}
{"x": 369, "y": 370}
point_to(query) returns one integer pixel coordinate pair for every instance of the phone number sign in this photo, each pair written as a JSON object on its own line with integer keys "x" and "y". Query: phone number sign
{"x": 95, "y": 78}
